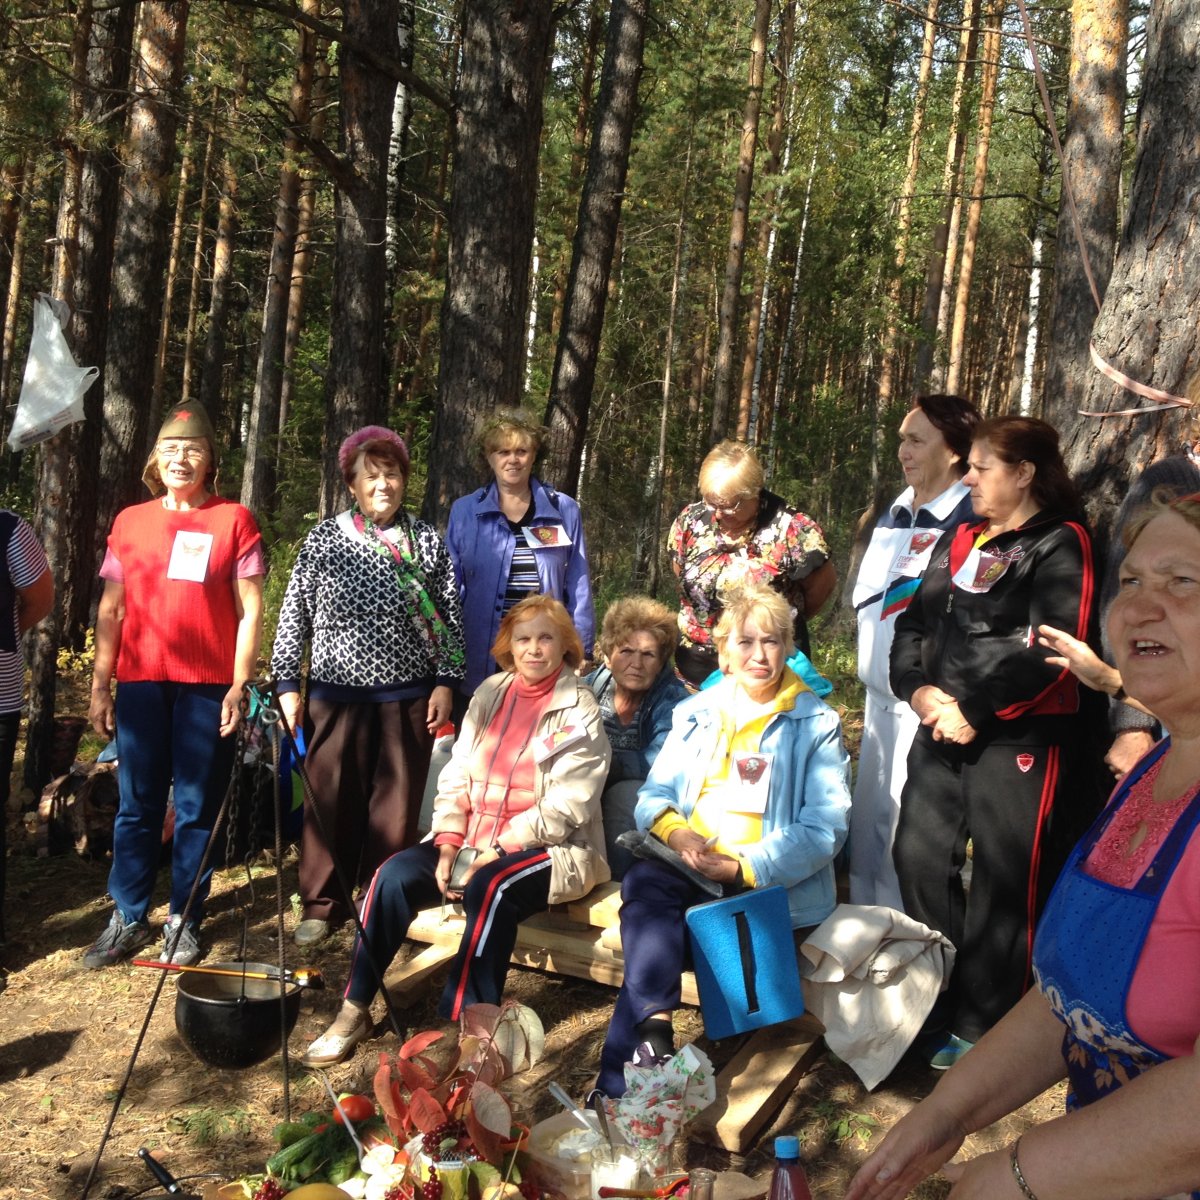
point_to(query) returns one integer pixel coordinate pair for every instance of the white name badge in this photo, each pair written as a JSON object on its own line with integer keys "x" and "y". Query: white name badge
{"x": 749, "y": 780}
{"x": 914, "y": 558}
{"x": 560, "y": 739}
{"x": 541, "y": 537}
{"x": 189, "y": 556}
{"x": 981, "y": 571}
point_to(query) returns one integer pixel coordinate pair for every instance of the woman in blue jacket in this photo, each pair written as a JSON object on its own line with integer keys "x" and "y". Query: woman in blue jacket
{"x": 512, "y": 539}
{"x": 751, "y": 789}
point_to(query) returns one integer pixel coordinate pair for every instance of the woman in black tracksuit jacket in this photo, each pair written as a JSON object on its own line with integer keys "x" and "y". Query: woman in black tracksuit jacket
{"x": 1009, "y": 750}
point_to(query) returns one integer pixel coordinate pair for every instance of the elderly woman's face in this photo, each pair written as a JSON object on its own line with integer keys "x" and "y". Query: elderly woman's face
{"x": 733, "y": 509}
{"x": 1154, "y": 621}
{"x": 636, "y": 662}
{"x": 183, "y": 464}
{"x": 378, "y": 487}
{"x": 537, "y": 648}
{"x": 754, "y": 657}
{"x": 512, "y": 462}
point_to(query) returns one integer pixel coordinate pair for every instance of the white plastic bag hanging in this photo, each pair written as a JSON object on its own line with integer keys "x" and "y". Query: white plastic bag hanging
{"x": 53, "y": 387}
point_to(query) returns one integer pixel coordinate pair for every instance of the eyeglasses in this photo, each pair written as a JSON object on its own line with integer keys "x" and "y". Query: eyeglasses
{"x": 189, "y": 451}
{"x": 725, "y": 508}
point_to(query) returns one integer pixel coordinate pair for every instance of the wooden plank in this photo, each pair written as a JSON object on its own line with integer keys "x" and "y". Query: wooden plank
{"x": 756, "y": 1081}
{"x": 405, "y": 981}
{"x": 601, "y": 906}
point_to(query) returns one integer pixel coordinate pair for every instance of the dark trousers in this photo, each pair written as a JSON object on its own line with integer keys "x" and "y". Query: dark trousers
{"x": 169, "y": 735}
{"x": 498, "y": 898}
{"x": 367, "y": 764}
{"x": 654, "y": 943}
{"x": 1002, "y": 796}
{"x": 10, "y": 723}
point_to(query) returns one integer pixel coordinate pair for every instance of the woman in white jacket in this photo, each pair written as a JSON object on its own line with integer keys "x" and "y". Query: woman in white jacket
{"x": 518, "y": 807}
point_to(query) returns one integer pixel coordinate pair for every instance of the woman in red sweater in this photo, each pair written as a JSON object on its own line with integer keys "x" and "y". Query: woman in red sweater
{"x": 178, "y": 626}
{"x": 520, "y": 798}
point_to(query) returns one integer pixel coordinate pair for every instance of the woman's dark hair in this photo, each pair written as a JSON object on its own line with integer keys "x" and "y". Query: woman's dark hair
{"x": 1015, "y": 440}
{"x": 955, "y": 419}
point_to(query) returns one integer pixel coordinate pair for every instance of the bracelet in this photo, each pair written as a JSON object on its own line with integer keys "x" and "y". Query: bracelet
{"x": 1013, "y": 1162}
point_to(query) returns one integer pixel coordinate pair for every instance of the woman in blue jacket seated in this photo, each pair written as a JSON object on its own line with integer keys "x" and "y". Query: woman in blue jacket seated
{"x": 512, "y": 539}
{"x": 751, "y": 789}
{"x": 637, "y": 689}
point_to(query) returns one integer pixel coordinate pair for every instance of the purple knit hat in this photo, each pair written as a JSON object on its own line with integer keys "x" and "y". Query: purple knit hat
{"x": 349, "y": 449}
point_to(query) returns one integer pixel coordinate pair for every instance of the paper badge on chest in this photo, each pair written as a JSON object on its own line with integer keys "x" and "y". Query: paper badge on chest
{"x": 189, "y": 556}
{"x": 914, "y": 558}
{"x": 749, "y": 779}
{"x": 542, "y": 537}
{"x": 551, "y": 743}
{"x": 983, "y": 569}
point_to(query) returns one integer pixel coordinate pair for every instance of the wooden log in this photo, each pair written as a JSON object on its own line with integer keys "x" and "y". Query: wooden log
{"x": 756, "y": 1081}
{"x": 407, "y": 980}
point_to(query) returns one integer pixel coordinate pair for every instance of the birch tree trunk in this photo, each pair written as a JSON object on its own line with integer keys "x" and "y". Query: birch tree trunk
{"x": 987, "y": 108}
{"x": 493, "y": 192}
{"x": 1094, "y": 141}
{"x": 742, "y": 191}
{"x": 595, "y": 238}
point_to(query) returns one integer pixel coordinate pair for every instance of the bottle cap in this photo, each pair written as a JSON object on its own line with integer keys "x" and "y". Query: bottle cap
{"x": 787, "y": 1147}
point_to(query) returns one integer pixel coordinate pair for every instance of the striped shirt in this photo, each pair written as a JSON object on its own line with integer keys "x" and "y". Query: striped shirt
{"x": 26, "y": 563}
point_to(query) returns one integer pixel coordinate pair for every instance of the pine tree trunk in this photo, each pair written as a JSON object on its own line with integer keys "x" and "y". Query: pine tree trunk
{"x": 493, "y": 192}
{"x": 595, "y": 239}
{"x": 12, "y": 183}
{"x": 887, "y": 365}
{"x": 752, "y": 352}
{"x": 137, "y": 279}
{"x": 1094, "y": 141}
{"x": 258, "y": 475}
{"x": 987, "y": 109}
{"x": 1147, "y": 327}
{"x": 742, "y": 191}
{"x": 935, "y": 274}
{"x": 173, "y": 258}
{"x": 197, "y": 277}
{"x": 356, "y": 382}
{"x": 209, "y": 390}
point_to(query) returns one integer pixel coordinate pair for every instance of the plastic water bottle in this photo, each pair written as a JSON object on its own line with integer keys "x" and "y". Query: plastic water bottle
{"x": 787, "y": 1180}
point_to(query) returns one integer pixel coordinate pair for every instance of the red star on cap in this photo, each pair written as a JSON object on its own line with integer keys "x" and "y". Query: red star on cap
{"x": 183, "y": 415}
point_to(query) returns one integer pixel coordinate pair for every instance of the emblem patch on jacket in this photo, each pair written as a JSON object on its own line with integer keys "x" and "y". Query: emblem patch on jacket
{"x": 1025, "y": 763}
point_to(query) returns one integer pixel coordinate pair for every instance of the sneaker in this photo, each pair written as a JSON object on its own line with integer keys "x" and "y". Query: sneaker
{"x": 186, "y": 947}
{"x": 351, "y": 1026}
{"x": 644, "y": 1056}
{"x": 120, "y": 939}
{"x": 952, "y": 1049}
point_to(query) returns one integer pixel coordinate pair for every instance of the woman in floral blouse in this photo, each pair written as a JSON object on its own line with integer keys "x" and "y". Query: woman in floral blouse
{"x": 740, "y": 533}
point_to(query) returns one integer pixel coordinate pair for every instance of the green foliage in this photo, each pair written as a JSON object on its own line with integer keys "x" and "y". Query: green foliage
{"x": 207, "y": 1126}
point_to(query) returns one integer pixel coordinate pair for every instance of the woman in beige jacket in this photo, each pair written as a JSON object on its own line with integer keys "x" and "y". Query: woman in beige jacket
{"x": 516, "y": 824}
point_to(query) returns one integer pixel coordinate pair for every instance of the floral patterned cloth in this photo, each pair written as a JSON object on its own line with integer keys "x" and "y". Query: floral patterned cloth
{"x": 783, "y": 548}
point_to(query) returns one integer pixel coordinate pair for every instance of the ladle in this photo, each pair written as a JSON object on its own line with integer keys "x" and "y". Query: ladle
{"x": 305, "y": 977}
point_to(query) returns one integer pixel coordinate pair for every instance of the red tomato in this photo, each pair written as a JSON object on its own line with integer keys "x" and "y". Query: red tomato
{"x": 357, "y": 1108}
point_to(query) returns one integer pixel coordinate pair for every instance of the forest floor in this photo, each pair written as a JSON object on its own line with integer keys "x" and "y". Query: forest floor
{"x": 67, "y": 1034}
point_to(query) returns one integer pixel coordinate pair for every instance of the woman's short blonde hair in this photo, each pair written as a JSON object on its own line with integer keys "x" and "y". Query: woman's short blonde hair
{"x": 506, "y": 427}
{"x": 769, "y": 610}
{"x": 528, "y": 610}
{"x": 731, "y": 470}
{"x": 1162, "y": 500}
{"x": 638, "y": 614}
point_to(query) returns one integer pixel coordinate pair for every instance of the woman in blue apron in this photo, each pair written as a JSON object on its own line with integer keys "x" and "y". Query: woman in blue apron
{"x": 1117, "y": 956}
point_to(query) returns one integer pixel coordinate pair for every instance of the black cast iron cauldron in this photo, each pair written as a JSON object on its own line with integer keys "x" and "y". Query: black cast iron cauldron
{"x": 231, "y": 1021}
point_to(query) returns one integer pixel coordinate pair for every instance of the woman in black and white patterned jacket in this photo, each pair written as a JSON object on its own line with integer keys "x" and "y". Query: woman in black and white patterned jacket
{"x": 374, "y": 598}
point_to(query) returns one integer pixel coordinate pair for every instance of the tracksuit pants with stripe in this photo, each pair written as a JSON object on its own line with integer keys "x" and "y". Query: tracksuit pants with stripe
{"x": 1021, "y": 802}
{"x": 499, "y": 897}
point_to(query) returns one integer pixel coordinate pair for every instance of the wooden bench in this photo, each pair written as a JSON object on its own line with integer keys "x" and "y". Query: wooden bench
{"x": 583, "y": 939}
